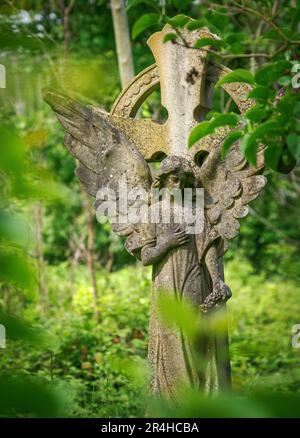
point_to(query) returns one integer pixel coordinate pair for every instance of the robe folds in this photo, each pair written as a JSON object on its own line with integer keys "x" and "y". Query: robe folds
{"x": 202, "y": 363}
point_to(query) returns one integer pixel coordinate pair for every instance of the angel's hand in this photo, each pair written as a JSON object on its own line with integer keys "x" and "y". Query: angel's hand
{"x": 152, "y": 255}
{"x": 223, "y": 290}
{"x": 220, "y": 294}
{"x": 177, "y": 237}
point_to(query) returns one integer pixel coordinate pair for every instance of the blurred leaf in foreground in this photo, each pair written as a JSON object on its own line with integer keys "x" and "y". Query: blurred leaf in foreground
{"x": 19, "y": 329}
{"x": 197, "y": 405}
{"x": 30, "y": 397}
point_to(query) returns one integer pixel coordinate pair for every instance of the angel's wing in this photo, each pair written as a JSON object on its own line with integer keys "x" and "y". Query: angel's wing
{"x": 230, "y": 184}
{"x": 105, "y": 155}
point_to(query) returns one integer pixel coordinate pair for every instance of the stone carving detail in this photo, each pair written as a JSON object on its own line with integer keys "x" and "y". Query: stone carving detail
{"x": 136, "y": 92}
{"x": 113, "y": 146}
{"x": 142, "y": 85}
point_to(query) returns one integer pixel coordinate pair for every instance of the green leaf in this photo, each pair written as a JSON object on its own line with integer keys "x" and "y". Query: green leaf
{"x": 293, "y": 142}
{"x": 227, "y": 119}
{"x": 16, "y": 268}
{"x": 181, "y": 3}
{"x": 13, "y": 229}
{"x": 262, "y": 93}
{"x": 236, "y": 37}
{"x": 144, "y": 22}
{"x": 198, "y": 132}
{"x": 133, "y": 3}
{"x": 249, "y": 147}
{"x": 179, "y": 21}
{"x": 31, "y": 397}
{"x": 203, "y": 42}
{"x": 256, "y": 114}
{"x": 170, "y": 37}
{"x": 19, "y": 329}
{"x": 295, "y": 14}
{"x": 269, "y": 74}
{"x": 12, "y": 157}
{"x": 231, "y": 138}
{"x": 284, "y": 80}
{"x": 239, "y": 75}
{"x": 265, "y": 128}
{"x": 195, "y": 24}
{"x": 272, "y": 155}
{"x": 287, "y": 104}
{"x": 250, "y": 141}
{"x": 179, "y": 313}
{"x": 208, "y": 127}
{"x": 272, "y": 34}
{"x": 296, "y": 110}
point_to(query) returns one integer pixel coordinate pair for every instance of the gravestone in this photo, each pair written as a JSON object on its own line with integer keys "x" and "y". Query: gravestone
{"x": 186, "y": 266}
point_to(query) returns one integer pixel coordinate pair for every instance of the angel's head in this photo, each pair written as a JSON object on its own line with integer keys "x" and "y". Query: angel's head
{"x": 175, "y": 173}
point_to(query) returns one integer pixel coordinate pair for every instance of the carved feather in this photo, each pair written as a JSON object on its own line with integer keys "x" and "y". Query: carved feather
{"x": 231, "y": 184}
{"x": 104, "y": 153}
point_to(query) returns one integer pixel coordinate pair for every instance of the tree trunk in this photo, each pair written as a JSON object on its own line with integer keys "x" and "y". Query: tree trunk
{"x": 38, "y": 213}
{"x": 65, "y": 12}
{"x": 90, "y": 252}
{"x": 19, "y": 102}
{"x": 123, "y": 43}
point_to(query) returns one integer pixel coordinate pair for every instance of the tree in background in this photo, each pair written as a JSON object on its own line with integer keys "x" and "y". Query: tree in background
{"x": 123, "y": 43}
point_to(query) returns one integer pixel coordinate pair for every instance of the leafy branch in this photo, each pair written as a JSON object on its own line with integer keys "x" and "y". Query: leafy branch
{"x": 274, "y": 118}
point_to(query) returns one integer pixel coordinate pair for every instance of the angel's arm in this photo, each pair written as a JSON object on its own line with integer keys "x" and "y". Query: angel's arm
{"x": 211, "y": 262}
{"x": 153, "y": 254}
{"x": 220, "y": 291}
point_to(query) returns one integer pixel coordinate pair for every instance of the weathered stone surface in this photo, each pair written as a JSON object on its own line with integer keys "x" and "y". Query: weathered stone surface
{"x": 115, "y": 145}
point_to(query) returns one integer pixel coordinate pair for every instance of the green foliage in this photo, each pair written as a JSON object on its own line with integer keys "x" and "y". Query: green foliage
{"x": 134, "y": 3}
{"x": 272, "y": 121}
{"x": 293, "y": 142}
{"x": 179, "y": 21}
{"x": 144, "y": 22}
{"x": 263, "y": 313}
{"x": 239, "y": 75}
{"x": 265, "y": 77}
{"x": 17, "y": 272}
{"x": 196, "y": 405}
{"x": 230, "y": 139}
{"x": 209, "y": 127}
{"x": 100, "y": 363}
{"x": 170, "y": 37}
{"x": 203, "y": 42}
{"x": 44, "y": 401}
{"x": 180, "y": 314}
{"x": 270, "y": 73}
{"x": 69, "y": 363}
{"x": 92, "y": 358}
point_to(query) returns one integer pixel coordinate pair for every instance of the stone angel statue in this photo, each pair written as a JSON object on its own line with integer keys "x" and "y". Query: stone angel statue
{"x": 185, "y": 265}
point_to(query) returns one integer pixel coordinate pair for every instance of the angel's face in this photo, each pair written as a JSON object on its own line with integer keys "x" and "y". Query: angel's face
{"x": 176, "y": 180}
